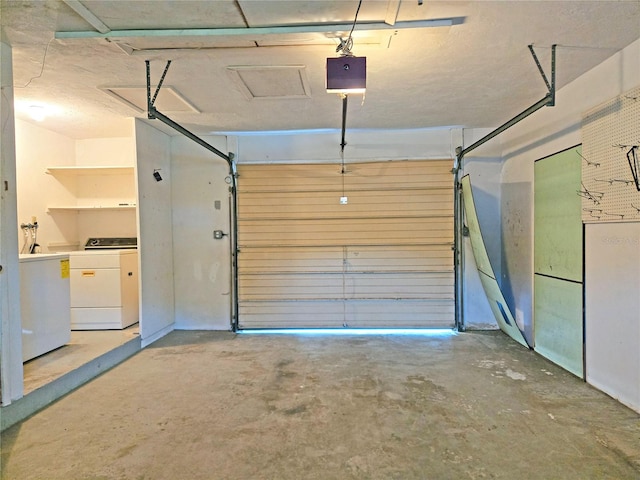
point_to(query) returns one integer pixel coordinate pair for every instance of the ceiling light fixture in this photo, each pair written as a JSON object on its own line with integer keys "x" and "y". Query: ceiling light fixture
{"x": 37, "y": 113}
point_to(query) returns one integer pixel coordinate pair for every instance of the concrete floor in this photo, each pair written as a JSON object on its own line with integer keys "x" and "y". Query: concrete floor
{"x": 54, "y": 374}
{"x": 205, "y": 405}
{"x": 85, "y": 345}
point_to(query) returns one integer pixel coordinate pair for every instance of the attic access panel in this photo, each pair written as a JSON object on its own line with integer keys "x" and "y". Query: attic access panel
{"x": 271, "y": 81}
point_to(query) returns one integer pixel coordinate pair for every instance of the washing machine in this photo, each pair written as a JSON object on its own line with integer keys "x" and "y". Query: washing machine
{"x": 104, "y": 284}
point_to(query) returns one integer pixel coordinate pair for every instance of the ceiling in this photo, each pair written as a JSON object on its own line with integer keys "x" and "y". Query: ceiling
{"x": 474, "y": 71}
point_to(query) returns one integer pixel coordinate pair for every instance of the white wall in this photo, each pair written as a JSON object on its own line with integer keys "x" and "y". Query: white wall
{"x": 548, "y": 131}
{"x": 612, "y": 309}
{"x": 155, "y": 248}
{"x": 106, "y": 189}
{"x": 202, "y": 264}
{"x": 324, "y": 146}
{"x": 10, "y": 327}
{"x": 37, "y": 149}
{"x": 115, "y": 151}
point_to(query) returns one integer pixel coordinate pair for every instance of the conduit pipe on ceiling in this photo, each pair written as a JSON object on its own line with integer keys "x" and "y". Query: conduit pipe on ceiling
{"x": 154, "y": 114}
{"x": 324, "y": 28}
{"x": 548, "y": 100}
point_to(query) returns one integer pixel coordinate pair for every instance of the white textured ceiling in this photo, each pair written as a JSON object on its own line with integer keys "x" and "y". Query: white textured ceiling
{"x": 477, "y": 73}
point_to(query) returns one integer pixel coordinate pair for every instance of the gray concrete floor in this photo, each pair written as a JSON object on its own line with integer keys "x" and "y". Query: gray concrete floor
{"x": 206, "y": 405}
{"x": 85, "y": 345}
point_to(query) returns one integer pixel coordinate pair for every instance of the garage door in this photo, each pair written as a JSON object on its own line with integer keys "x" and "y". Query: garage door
{"x": 370, "y": 247}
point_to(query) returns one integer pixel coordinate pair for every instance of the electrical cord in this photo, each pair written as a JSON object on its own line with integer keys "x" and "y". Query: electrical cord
{"x": 346, "y": 45}
{"x": 355, "y": 19}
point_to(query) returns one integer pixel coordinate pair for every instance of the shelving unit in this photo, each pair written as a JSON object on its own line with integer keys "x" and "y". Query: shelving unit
{"x": 93, "y": 171}
{"x": 96, "y": 193}
{"x": 90, "y": 170}
{"x": 94, "y": 208}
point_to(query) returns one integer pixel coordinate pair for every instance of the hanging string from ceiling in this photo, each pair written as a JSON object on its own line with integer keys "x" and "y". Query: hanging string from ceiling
{"x": 345, "y": 46}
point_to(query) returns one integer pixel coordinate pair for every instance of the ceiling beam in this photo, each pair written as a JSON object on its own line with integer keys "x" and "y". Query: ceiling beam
{"x": 393, "y": 8}
{"x": 88, "y": 16}
{"x": 252, "y": 31}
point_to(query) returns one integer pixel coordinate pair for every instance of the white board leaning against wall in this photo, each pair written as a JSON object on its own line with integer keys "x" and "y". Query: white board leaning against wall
{"x": 558, "y": 260}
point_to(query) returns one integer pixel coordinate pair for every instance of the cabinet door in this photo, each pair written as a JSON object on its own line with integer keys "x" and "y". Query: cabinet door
{"x": 95, "y": 287}
{"x": 129, "y": 282}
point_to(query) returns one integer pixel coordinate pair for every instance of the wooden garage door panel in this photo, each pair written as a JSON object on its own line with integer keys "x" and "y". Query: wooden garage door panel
{"x": 401, "y": 314}
{"x": 399, "y": 286}
{"x": 359, "y": 176}
{"x": 421, "y": 258}
{"x": 351, "y": 313}
{"x": 291, "y": 287}
{"x": 327, "y": 314}
{"x": 383, "y": 175}
{"x": 296, "y": 178}
{"x": 291, "y": 260}
{"x": 338, "y": 286}
{"x": 336, "y": 232}
{"x": 307, "y": 260}
{"x": 361, "y": 204}
{"x": 411, "y": 258}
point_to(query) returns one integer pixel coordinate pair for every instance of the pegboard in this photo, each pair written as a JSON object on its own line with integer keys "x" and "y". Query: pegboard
{"x": 611, "y": 133}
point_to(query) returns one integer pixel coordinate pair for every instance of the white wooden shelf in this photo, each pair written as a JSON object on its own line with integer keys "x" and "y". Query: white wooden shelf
{"x": 91, "y": 208}
{"x": 90, "y": 170}
{"x": 96, "y": 191}
{"x": 78, "y": 170}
